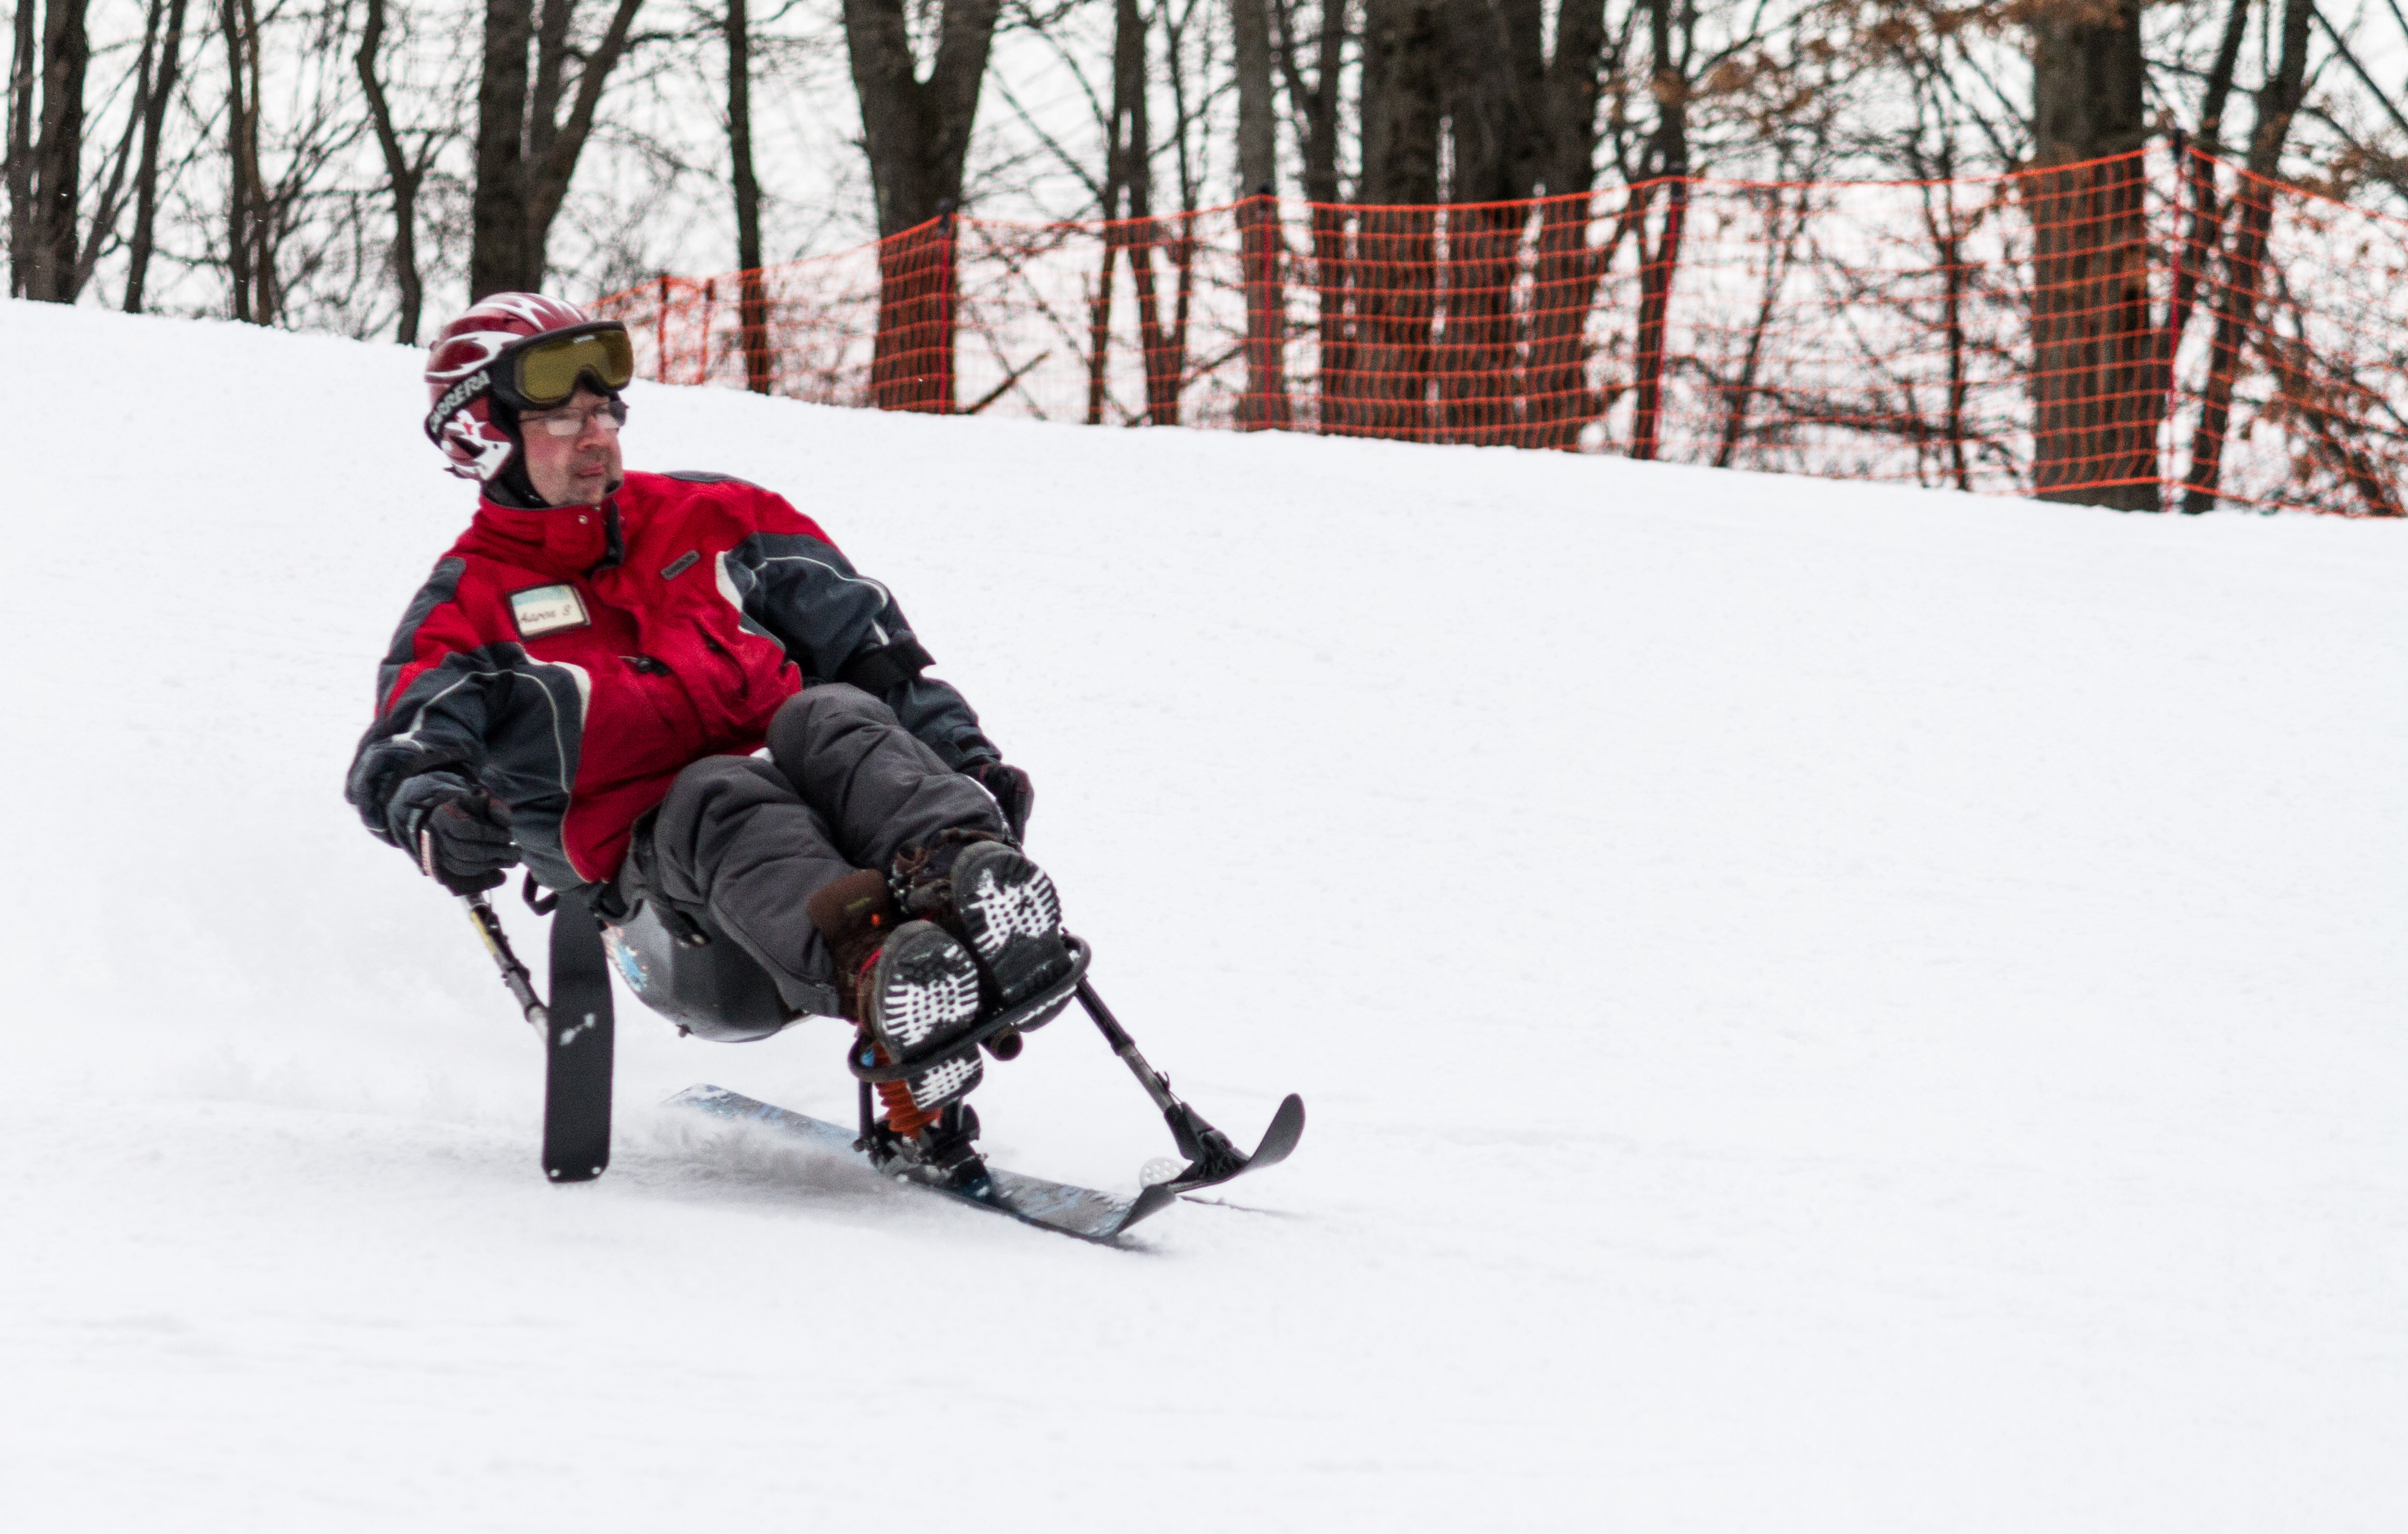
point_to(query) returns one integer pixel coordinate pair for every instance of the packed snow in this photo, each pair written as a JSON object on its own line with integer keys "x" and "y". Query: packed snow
{"x": 1822, "y": 1007}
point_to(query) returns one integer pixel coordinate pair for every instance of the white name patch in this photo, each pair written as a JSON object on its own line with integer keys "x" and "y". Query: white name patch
{"x": 542, "y": 610}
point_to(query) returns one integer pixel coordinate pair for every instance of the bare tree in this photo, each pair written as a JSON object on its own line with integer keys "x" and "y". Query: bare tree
{"x": 526, "y": 151}
{"x": 1568, "y": 268}
{"x": 45, "y": 150}
{"x": 404, "y": 175}
{"x": 1265, "y": 403}
{"x": 1384, "y": 388}
{"x": 917, "y": 133}
{"x": 1670, "y": 85}
{"x": 64, "y": 253}
{"x": 1518, "y": 120}
{"x": 752, "y": 303}
{"x": 2094, "y": 439}
{"x": 21, "y": 67}
{"x": 1314, "y": 105}
{"x": 1130, "y": 233}
{"x": 2278, "y": 103}
{"x": 157, "y": 89}
{"x": 250, "y": 265}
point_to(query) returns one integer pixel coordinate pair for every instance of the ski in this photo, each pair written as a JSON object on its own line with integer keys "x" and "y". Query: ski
{"x": 1212, "y": 1157}
{"x": 578, "y": 1048}
{"x": 1060, "y": 1207}
{"x": 1215, "y": 1160}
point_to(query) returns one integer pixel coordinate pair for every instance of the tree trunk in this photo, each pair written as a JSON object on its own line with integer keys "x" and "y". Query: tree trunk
{"x": 1495, "y": 63}
{"x": 917, "y": 132}
{"x": 21, "y": 75}
{"x": 1318, "y": 105}
{"x": 1139, "y": 236}
{"x": 400, "y": 173}
{"x": 58, "y": 153}
{"x": 1109, "y": 204}
{"x": 752, "y": 301}
{"x": 243, "y": 195}
{"x": 1264, "y": 406}
{"x": 1395, "y": 274}
{"x": 1559, "y": 403}
{"x": 268, "y": 293}
{"x": 917, "y": 135}
{"x": 2278, "y": 102}
{"x": 526, "y": 151}
{"x": 497, "y": 218}
{"x": 146, "y": 176}
{"x": 2194, "y": 173}
{"x": 1658, "y": 266}
{"x": 2096, "y": 413}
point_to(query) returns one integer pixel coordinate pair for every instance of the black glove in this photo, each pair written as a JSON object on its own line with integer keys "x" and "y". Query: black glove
{"x": 1012, "y": 791}
{"x": 459, "y": 834}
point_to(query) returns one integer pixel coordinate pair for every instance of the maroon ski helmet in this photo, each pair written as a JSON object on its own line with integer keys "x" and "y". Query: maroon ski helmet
{"x": 469, "y": 374}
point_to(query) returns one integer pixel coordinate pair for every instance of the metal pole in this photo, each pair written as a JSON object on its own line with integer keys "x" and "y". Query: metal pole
{"x": 514, "y": 974}
{"x": 1208, "y": 1147}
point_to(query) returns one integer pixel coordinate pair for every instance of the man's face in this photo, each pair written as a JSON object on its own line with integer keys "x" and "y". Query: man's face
{"x": 577, "y": 469}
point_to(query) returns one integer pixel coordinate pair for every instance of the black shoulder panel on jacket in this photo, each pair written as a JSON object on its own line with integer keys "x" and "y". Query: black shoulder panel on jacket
{"x": 705, "y": 477}
{"x": 441, "y": 588}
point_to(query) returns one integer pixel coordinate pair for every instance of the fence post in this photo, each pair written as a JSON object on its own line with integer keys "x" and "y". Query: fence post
{"x": 948, "y": 317}
{"x": 709, "y": 315}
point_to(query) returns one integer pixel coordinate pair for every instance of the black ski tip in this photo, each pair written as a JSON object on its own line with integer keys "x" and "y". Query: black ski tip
{"x": 575, "y": 1174}
{"x": 1287, "y": 1127}
{"x": 1152, "y": 1200}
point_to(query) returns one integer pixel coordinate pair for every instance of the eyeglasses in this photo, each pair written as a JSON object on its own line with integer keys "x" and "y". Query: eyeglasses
{"x": 609, "y": 415}
{"x": 545, "y": 370}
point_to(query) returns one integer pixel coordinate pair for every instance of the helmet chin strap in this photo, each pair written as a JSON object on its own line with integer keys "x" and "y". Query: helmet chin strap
{"x": 512, "y": 488}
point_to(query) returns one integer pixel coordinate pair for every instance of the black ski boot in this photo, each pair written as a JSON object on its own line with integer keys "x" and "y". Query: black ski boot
{"x": 1006, "y": 909}
{"x": 988, "y": 893}
{"x": 918, "y": 997}
{"x": 911, "y": 985}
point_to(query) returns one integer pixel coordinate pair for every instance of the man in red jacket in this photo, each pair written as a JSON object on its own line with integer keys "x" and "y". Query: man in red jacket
{"x": 587, "y": 680}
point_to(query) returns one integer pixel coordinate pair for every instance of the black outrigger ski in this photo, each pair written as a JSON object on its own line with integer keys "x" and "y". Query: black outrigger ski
{"x": 576, "y": 1028}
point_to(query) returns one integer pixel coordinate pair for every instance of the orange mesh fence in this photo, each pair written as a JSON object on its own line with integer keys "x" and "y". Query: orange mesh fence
{"x": 2144, "y": 331}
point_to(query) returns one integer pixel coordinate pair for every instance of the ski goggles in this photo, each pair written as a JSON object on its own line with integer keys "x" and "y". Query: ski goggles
{"x": 542, "y": 372}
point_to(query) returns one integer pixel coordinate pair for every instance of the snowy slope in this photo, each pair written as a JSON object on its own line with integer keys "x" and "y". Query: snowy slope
{"x": 1823, "y": 1008}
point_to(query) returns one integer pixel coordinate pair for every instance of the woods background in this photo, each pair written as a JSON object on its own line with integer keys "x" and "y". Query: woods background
{"x": 360, "y": 165}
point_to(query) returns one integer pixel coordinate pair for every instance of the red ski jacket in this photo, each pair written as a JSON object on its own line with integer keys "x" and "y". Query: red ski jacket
{"x": 574, "y": 659}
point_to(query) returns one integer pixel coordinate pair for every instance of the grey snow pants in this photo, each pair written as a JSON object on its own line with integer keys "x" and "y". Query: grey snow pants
{"x": 845, "y": 787}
